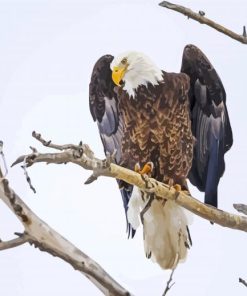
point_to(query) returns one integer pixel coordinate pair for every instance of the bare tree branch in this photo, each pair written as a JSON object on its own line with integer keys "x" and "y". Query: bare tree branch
{"x": 84, "y": 158}
{"x": 168, "y": 286}
{"x": 243, "y": 282}
{"x": 42, "y": 236}
{"x": 24, "y": 166}
{"x": 55, "y": 146}
{"x": 241, "y": 208}
{"x": 14, "y": 242}
{"x": 4, "y": 160}
{"x": 200, "y": 17}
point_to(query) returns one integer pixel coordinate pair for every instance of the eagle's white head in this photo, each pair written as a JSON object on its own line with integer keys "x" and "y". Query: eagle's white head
{"x": 132, "y": 69}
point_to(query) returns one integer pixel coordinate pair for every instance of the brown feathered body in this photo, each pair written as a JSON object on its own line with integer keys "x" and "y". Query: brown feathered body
{"x": 157, "y": 128}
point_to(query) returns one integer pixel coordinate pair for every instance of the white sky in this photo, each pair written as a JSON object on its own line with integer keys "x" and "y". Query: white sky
{"x": 47, "y": 52}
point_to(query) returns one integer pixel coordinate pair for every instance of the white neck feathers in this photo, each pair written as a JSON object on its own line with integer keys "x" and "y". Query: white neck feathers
{"x": 141, "y": 71}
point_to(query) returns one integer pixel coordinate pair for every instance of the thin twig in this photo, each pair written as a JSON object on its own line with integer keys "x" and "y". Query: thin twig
{"x": 244, "y": 32}
{"x": 203, "y": 20}
{"x": 4, "y": 160}
{"x": 243, "y": 282}
{"x": 241, "y": 208}
{"x": 49, "y": 144}
{"x": 24, "y": 167}
{"x": 168, "y": 286}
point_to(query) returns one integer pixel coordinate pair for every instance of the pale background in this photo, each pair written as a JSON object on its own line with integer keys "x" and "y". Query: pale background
{"x": 47, "y": 52}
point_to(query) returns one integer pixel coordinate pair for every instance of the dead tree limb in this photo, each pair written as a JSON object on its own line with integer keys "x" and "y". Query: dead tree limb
{"x": 169, "y": 283}
{"x": 14, "y": 242}
{"x": 242, "y": 282}
{"x": 241, "y": 208}
{"x": 200, "y": 17}
{"x": 83, "y": 156}
{"x": 42, "y": 236}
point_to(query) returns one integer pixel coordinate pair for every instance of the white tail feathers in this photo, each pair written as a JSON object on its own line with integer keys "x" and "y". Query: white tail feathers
{"x": 165, "y": 232}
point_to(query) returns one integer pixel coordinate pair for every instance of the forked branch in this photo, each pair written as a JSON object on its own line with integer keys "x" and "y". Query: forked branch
{"x": 22, "y": 239}
{"x": 42, "y": 236}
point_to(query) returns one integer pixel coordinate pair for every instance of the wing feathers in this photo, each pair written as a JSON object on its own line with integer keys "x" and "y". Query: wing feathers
{"x": 210, "y": 122}
{"x": 103, "y": 102}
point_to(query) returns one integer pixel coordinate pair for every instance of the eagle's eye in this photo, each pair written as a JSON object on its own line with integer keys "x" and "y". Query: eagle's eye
{"x": 124, "y": 61}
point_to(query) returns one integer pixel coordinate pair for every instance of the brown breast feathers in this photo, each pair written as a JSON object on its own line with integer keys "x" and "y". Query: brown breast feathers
{"x": 157, "y": 128}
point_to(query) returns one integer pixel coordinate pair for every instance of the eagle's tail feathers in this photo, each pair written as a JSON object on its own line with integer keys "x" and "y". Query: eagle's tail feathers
{"x": 165, "y": 230}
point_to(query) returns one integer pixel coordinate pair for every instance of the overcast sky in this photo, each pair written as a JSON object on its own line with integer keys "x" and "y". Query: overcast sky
{"x": 47, "y": 52}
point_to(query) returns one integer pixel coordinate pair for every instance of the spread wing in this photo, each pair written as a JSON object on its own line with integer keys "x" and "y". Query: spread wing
{"x": 103, "y": 103}
{"x": 210, "y": 122}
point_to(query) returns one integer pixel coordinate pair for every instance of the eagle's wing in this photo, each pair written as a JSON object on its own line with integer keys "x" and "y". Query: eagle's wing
{"x": 210, "y": 122}
{"x": 103, "y": 103}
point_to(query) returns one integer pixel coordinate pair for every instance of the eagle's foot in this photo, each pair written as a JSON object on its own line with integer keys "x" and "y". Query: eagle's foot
{"x": 178, "y": 190}
{"x": 147, "y": 206}
{"x": 177, "y": 187}
{"x": 146, "y": 170}
{"x": 145, "y": 175}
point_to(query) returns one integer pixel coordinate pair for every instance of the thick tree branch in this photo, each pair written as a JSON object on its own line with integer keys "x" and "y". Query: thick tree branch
{"x": 84, "y": 157}
{"x": 42, "y": 236}
{"x": 200, "y": 17}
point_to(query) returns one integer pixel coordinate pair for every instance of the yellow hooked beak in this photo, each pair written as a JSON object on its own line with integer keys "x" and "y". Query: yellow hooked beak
{"x": 118, "y": 74}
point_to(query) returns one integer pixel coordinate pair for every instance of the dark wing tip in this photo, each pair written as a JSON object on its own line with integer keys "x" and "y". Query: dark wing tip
{"x": 190, "y": 49}
{"x": 102, "y": 63}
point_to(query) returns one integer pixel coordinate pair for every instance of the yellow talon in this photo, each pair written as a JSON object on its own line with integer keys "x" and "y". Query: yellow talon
{"x": 177, "y": 187}
{"x": 147, "y": 168}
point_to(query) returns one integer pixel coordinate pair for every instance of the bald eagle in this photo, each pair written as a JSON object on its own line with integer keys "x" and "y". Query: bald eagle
{"x": 173, "y": 125}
